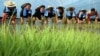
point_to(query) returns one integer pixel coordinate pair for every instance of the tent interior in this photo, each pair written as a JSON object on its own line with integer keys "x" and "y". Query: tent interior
{"x": 78, "y": 4}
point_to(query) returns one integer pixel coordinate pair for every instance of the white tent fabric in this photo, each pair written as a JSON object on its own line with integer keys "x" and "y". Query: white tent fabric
{"x": 78, "y": 4}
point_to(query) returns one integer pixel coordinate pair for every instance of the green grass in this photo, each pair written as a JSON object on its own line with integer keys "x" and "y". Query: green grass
{"x": 49, "y": 41}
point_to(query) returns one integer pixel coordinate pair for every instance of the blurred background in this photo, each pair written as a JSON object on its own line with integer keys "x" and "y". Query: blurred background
{"x": 78, "y": 4}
